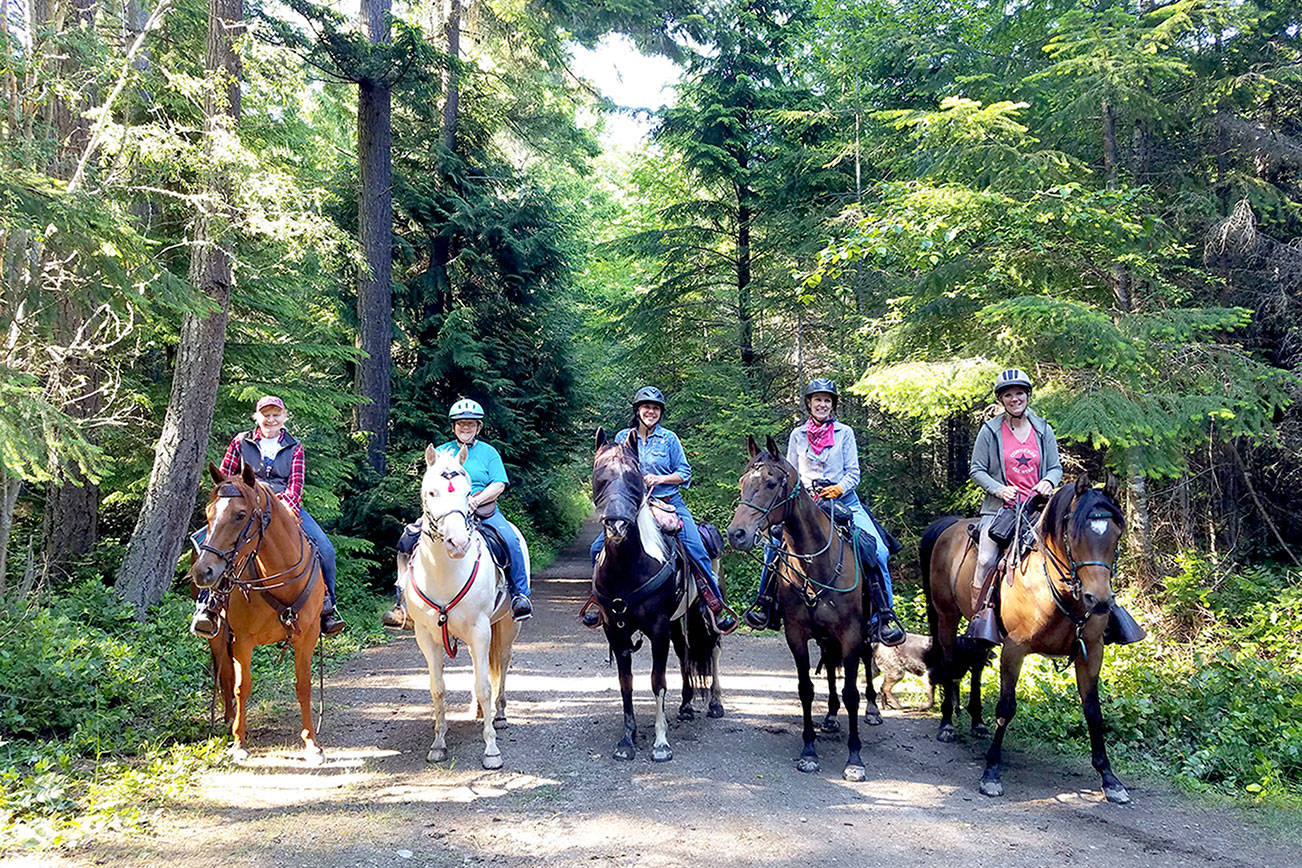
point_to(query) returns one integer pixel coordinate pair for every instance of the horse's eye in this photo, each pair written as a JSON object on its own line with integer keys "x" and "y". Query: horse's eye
{"x": 770, "y": 484}
{"x": 241, "y": 515}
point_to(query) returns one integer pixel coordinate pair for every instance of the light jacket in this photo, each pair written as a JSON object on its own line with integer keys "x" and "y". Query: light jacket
{"x": 663, "y": 455}
{"x": 987, "y": 468}
{"x": 838, "y": 463}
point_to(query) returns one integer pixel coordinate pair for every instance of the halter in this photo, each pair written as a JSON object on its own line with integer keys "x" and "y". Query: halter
{"x": 431, "y": 522}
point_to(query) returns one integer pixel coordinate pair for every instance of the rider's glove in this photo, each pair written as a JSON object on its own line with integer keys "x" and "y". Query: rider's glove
{"x": 831, "y": 492}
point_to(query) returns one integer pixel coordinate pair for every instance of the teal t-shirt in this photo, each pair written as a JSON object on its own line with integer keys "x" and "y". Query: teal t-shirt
{"x": 483, "y": 463}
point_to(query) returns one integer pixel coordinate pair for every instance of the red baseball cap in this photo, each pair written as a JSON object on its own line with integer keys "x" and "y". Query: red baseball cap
{"x": 268, "y": 401}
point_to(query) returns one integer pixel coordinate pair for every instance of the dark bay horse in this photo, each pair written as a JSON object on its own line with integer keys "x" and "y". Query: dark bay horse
{"x": 256, "y": 545}
{"x": 1055, "y": 602}
{"x": 819, "y": 588}
{"x": 639, "y": 584}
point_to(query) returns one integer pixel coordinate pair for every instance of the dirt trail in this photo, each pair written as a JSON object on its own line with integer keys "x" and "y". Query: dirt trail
{"x": 731, "y": 793}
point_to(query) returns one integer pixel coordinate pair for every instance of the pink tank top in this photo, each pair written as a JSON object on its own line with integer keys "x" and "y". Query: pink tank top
{"x": 1021, "y": 460}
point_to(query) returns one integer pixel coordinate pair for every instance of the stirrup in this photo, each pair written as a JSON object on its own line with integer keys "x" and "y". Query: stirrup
{"x": 884, "y": 619}
{"x": 589, "y": 617}
{"x": 729, "y": 613}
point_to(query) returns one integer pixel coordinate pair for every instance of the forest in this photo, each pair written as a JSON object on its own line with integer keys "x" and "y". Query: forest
{"x": 371, "y": 211}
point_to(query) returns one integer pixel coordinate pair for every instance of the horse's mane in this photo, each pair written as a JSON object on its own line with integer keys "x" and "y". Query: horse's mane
{"x": 1091, "y": 502}
{"x": 653, "y": 539}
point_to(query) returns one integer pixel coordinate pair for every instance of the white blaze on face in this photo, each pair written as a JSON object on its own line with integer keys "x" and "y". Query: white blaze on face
{"x": 221, "y": 508}
{"x": 1099, "y": 526}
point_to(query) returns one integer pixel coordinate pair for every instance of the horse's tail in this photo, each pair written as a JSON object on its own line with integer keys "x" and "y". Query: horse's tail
{"x": 926, "y": 546}
{"x": 701, "y": 643}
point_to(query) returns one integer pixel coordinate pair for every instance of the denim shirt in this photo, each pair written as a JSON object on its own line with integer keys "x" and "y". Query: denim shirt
{"x": 483, "y": 464}
{"x": 661, "y": 454}
{"x": 838, "y": 463}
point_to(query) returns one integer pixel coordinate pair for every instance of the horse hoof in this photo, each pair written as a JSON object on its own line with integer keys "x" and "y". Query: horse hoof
{"x": 946, "y": 734}
{"x": 436, "y": 755}
{"x": 855, "y": 774}
{"x": 315, "y": 757}
{"x": 873, "y": 718}
{"x": 239, "y": 754}
{"x": 807, "y": 764}
{"x": 492, "y": 762}
{"x": 687, "y": 713}
{"x": 1117, "y": 795}
{"x": 499, "y": 722}
{"x": 979, "y": 730}
{"x": 661, "y": 753}
{"x": 830, "y": 724}
{"x": 624, "y": 752}
{"x": 716, "y": 710}
{"x": 992, "y": 788}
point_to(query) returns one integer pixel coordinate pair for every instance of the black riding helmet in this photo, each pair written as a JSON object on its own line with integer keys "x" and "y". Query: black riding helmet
{"x": 649, "y": 395}
{"x": 821, "y": 384}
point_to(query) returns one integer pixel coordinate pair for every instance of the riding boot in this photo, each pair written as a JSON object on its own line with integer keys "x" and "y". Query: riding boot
{"x": 590, "y": 614}
{"x": 763, "y": 614}
{"x": 884, "y": 626}
{"x": 521, "y": 608}
{"x": 331, "y": 623}
{"x": 1122, "y": 629}
{"x": 207, "y": 616}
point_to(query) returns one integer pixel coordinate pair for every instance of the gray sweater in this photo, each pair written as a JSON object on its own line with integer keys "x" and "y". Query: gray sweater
{"x": 987, "y": 468}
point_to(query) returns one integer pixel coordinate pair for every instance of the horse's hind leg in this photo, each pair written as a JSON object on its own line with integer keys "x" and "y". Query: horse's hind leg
{"x": 1087, "y": 684}
{"x": 830, "y": 723}
{"x": 974, "y": 709}
{"x": 480, "y": 649}
{"x": 685, "y": 710}
{"x": 660, "y": 750}
{"x": 505, "y": 632}
{"x": 303, "y": 688}
{"x": 1010, "y": 669}
{"x": 872, "y": 715}
{"x": 946, "y": 637}
{"x": 438, "y": 749}
{"x": 716, "y": 690}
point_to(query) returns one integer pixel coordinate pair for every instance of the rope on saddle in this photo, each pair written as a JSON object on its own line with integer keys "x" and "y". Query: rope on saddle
{"x": 449, "y": 642}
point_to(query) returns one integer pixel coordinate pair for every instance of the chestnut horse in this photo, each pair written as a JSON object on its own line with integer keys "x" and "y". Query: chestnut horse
{"x": 1055, "y": 602}
{"x": 819, "y": 588}
{"x": 256, "y": 544}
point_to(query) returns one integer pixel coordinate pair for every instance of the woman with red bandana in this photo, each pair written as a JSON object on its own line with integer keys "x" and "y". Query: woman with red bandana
{"x": 826, "y": 456}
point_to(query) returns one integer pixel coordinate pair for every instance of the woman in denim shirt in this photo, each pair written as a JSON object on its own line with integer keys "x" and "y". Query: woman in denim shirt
{"x": 665, "y": 470}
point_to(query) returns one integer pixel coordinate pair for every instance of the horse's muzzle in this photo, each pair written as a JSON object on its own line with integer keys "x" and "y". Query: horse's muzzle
{"x": 1095, "y": 604}
{"x": 741, "y": 538}
{"x": 616, "y": 528}
{"x": 207, "y": 570}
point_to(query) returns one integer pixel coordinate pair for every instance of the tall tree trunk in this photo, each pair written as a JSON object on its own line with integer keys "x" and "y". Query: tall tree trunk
{"x": 155, "y": 545}
{"x": 9, "y": 488}
{"x": 440, "y": 253}
{"x": 374, "y": 229}
{"x": 745, "y": 313}
{"x": 71, "y": 520}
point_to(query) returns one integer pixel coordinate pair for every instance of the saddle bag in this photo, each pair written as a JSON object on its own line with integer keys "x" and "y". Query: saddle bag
{"x": 665, "y": 515}
{"x": 1003, "y": 526}
{"x": 712, "y": 538}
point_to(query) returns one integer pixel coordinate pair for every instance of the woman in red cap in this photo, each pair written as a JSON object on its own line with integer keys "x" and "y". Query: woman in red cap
{"x": 276, "y": 457}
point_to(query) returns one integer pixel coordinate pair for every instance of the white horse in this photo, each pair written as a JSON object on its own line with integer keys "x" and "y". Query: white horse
{"x": 451, "y": 592}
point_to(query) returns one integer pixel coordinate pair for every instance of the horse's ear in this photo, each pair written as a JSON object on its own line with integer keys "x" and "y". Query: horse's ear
{"x": 215, "y": 472}
{"x": 430, "y": 454}
{"x": 631, "y": 443}
{"x": 1083, "y": 483}
{"x": 601, "y": 439}
{"x": 772, "y": 447}
{"x": 751, "y": 446}
{"x": 461, "y": 455}
{"x": 1112, "y": 487}
{"x": 246, "y": 473}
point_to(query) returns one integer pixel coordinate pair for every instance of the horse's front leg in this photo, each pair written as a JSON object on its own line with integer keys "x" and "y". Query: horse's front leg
{"x": 854, "y": 770}
{"x": 303, "y": 649}
{"x": 242, "y": 656}
{"x": 627, "y": 747}
{"x": 433, "y": 651}
{"x": 946, "y": 636}
{"x": 808, "y": 761}
{"x": 1087, "y": 684}
{"x": 685, "y": 710}
{"x": 872, "y": 715}
{"x": 660, "y": 750}
{"x": 1010, "y": 669}
{"x": 830, "y": 723}
{"x": 716, "y": 689}
{"x": 480, "y": 642}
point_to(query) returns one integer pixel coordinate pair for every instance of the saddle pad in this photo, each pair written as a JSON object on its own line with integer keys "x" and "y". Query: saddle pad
{"x": 712, "y": 538}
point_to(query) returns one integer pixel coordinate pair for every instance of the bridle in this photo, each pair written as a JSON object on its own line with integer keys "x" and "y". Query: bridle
{"x": 1069, "y": 572}
{"x": 432, "y": 521}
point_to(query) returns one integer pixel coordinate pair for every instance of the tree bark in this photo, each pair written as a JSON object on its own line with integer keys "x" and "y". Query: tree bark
{"x": 745, "y": 313}
{"x": 9, "y": 488}
{"x": 375, "y": 227}
{"x": 156, "y": 542}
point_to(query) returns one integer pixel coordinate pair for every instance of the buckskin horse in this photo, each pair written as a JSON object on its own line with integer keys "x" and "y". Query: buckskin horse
{"x": 642, "y": 584}
{"x": 255, "y": 543}
{"x": 819, "y": 598}
{"x": 452, "y": 594}
{"x": 1056, "y": 601}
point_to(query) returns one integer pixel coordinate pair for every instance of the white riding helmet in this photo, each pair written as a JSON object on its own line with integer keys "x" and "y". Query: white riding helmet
{"x": 464, "y": 408}
{"x": 1009, "y": 378}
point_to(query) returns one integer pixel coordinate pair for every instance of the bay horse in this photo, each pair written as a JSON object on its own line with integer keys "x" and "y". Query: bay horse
{"x": 820, "y": 599}
{"x": 1056, "y": 602}
{"x": 452, "y": 594}
{"x": 642, "y": 585}
{"x": 255, "y": 543}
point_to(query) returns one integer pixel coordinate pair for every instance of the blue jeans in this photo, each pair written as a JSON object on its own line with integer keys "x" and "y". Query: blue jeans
{"x": 324, "y": 548}
{"x": 518, "y": 576}
{"x": 868, "y": 543}
{"x": 692, "y": 544}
